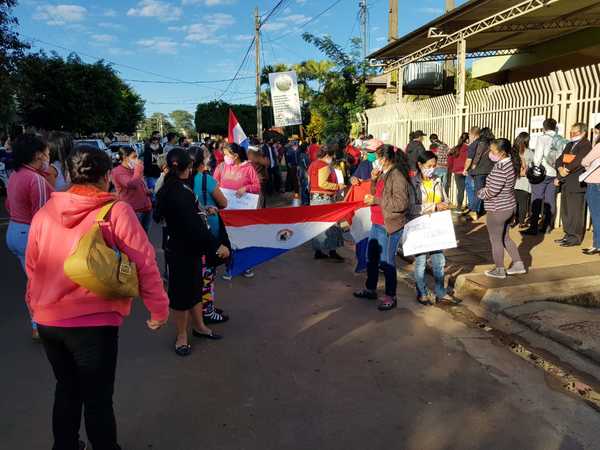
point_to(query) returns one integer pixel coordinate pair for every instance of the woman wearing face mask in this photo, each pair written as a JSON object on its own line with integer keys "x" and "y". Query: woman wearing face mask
{"x": 365, "y": 167}
{"x": 189, "y": 241}
{"x": 212, "y": 199}
{"x": 591, "y": 163}
{"x": 390, "y": 202}
{"x": 79, "y": 329}
{"x": 501, "y": 205}
{"x": 152, "y": 170}
{"x": 238, "y": 174}
{"x": 130, "y": 186}
{"x": 430, "y": 197}
{"x": 323, "y": 189}
{"x": 28, "y": 190}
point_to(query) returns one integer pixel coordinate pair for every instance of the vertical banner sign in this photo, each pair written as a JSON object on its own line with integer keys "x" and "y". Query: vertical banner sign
{"x": 285, "y": 99}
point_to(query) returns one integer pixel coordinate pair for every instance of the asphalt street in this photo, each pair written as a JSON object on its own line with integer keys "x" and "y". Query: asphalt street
{"x": 303, "y": 366}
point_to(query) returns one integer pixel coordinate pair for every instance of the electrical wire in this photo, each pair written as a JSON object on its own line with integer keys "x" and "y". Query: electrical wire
{"x": 311, "y": 20}
{"x": 239, "y": 68}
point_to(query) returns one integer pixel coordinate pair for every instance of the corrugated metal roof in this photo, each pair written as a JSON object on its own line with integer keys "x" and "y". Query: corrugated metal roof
{"x": 520, "y": 33}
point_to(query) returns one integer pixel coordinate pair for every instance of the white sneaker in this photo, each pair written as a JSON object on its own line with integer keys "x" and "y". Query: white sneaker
{"x": 248, "y": 273}
{"x": 517, "y": 268}
{"x": 498, "y": 272}
{"x": 226, "y": 277}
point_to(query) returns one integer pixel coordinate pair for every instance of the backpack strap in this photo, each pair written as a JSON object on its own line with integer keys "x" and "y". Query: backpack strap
{"x": 204, "y": 189}
{"x": 104, "y": 211}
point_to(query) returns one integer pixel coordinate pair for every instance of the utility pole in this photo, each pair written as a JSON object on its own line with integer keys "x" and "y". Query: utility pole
{"x": 449, "y": 65}
{"x": 393, "y": 20}
{"x": 259, "y": 127}
{"x": 364, "y": 23}
{"x": 450, "y": 5}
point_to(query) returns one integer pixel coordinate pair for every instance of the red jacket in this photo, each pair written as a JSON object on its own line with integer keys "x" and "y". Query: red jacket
{"x": 313, "y": 152}
{"x": 55, "y": 232}
{"x": 28, "y": 191}
{"x": 456, "y": 164}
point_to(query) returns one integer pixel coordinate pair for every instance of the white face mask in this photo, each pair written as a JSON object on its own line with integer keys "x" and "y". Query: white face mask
{"x": 378, "y": 164}
{"x": 132, "y": 163}
{"x": 427, "y": 172}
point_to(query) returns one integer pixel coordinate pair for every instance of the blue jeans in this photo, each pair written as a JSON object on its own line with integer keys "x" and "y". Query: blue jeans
{"x": 470, "y": 188}
{"x": 478, "y": 205}
{"x": 438, "y": 262}
{"x": 543, "y": 201}
{"x": 16, "y": 241}
{"x": 442, "y": 174}
{"x": 382, "y": 249}
{"x": 145, "y": 219}
{"x": 593, "y": 200}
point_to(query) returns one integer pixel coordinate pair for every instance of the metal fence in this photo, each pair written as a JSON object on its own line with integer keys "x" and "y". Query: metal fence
{"x": 570, "y": 97}
{"x": 567, "y": 96}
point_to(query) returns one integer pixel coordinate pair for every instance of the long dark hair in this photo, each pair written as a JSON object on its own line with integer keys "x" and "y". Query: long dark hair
{"x": 487, "y": 135}
{"x": 61, "y": 146}
{"x": 464, "y": 138}
{"x": 505, "y": 145}
{"x": 178, "y": 160}
{"x": 522, "y": 140}
{"x": 402, "y": 164}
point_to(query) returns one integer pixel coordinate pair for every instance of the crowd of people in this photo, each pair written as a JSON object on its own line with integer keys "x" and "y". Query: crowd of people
{"x": 64, "y": 198}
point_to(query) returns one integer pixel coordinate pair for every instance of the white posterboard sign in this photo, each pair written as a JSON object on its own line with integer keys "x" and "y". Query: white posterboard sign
{"x": 285, "y": 99}
{"x": 595, "y": 165}
{"x": 339, "y": 175}
{"x": 246, "y": 201}
{"x": 537, "y": 122}
{"x": 518, "y": 131}
{"x": 429, "y": 233}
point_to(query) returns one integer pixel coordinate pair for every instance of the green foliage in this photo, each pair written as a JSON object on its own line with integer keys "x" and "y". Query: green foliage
{"x": 58, "y": 94}
{"x": 342, "y": 92}
{"x": 11, "y": 50}
{"x": 156, "y": 122}
{"x": 183, "y": 122}
{"x": 474, "y": 84}
{"x": 213, "y": 117}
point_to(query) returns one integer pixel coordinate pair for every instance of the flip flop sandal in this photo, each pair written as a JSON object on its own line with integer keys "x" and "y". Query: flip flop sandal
{"x": 183, "y": 350}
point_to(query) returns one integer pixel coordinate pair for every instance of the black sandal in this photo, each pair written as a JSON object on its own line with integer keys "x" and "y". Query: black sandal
{"x": 183, "y": 350}
{"x": 212, "y": 336}
{"x": 424, "y": 302}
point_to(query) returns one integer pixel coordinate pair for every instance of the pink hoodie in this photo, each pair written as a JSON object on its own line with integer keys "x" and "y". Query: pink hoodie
{"x": 235, "y": 177}
{"x": 130, "y": 185}
{"x": 56, "y": 230}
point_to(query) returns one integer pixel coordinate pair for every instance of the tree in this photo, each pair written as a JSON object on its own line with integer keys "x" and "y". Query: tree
{"x": 213, "y": 117}
{"x": 156, "y": 122}
{"x": 11, "y": 49}
{"x": 343, "y": 91}
{"x": 183, "y": 122}
{"x": 67, "y": 94}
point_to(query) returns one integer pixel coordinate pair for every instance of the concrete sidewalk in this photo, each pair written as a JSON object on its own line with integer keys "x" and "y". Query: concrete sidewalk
{"x": 557, "y": 298}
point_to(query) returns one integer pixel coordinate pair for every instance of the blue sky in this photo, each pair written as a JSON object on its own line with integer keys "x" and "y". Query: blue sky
{"x": 191, "y": 40}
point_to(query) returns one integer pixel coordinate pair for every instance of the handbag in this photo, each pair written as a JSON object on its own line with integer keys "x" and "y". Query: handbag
{"x": 103, "y": 270}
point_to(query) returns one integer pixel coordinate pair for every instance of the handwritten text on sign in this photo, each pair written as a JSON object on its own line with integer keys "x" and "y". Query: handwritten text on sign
{"x": 246, "y": 201}
{"x": 429, "y": 233}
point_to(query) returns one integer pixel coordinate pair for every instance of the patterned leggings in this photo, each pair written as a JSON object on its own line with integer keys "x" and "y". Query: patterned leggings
{"x": 208, "y": 289}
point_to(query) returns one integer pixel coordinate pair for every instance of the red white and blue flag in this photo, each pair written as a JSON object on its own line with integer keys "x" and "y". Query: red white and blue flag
{"x": 260, "y": 235}
{"x": 236, "y": 133}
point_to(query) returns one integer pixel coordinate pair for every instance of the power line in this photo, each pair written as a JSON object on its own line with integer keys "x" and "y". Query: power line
{"x": 311, "y": 20}
{"x": 278, "y": 5}
{"x": 235, "y": 77}
{"x": 186, "y": 82}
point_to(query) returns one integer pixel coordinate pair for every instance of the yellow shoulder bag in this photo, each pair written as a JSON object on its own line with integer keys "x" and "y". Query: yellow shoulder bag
{"x": 99, "y": 268}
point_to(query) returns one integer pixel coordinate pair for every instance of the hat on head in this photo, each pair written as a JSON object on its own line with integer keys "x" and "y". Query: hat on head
{"x": 374, "y": 144}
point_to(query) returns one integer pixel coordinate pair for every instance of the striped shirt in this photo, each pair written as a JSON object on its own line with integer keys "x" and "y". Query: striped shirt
{"x": 499, "y": 190}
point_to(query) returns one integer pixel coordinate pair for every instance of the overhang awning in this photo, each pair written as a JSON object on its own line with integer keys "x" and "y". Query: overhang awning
{"x": 556, "y": 19}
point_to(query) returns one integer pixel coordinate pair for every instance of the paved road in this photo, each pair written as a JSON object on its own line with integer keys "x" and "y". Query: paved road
{"x": 303, "y": 366}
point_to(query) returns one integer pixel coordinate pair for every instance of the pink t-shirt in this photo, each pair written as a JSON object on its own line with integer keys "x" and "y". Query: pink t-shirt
{"x": 238, "y": 176}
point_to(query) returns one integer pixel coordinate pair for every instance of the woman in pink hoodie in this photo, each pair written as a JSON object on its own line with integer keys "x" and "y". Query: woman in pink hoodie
{"x": 79, "y": 329}
{"x": 128, "y": 179}
{"x": 239, "y": 175}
